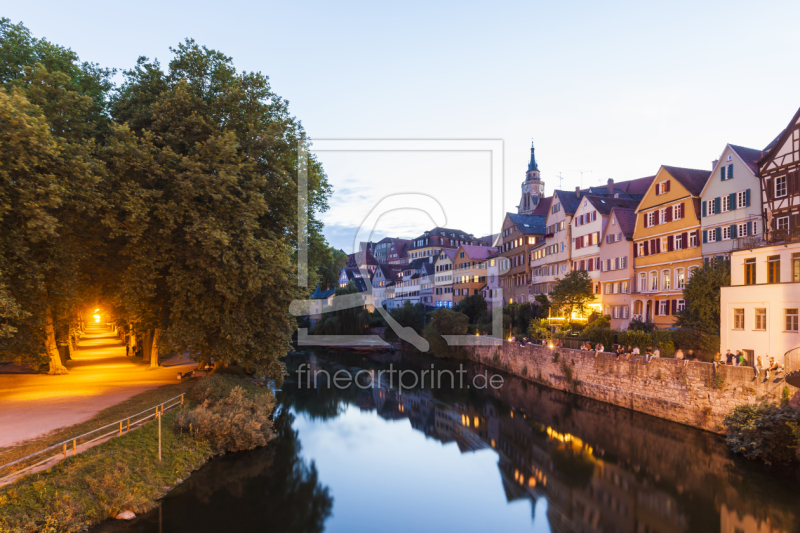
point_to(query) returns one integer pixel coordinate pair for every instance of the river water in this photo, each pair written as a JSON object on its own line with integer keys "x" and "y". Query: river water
{"x": 517, "y": 458}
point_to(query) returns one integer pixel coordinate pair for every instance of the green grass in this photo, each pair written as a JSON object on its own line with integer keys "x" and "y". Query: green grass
{"x": 121, "y": 474}
{"x": 129, "y": 407}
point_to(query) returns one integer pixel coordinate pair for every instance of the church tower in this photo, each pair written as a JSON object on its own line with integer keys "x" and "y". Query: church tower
{"x": 532, "y": 188}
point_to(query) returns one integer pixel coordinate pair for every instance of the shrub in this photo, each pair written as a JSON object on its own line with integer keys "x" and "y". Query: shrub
{"x": 445, "y": 322}
{"x": 233, "y": 423}
{"x": 218, "y": 386}
{"x": 764, "y": 432}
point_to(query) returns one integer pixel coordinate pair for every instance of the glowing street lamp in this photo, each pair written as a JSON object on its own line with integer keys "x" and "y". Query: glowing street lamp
{"x": 97, "y": 318}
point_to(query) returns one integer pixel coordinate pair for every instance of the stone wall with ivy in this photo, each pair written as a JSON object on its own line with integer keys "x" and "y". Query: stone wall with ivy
{"x": 696, "y": 394}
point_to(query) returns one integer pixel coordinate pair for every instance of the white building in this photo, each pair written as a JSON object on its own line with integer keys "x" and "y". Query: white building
{"x": 731, "y": 202}
{"x": 759, "y": 310}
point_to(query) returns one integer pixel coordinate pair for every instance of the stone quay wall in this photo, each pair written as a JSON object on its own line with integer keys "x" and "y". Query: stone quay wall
{"x": 696, "y": 394}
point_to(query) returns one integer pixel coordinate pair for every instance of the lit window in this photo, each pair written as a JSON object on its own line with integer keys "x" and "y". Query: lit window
{"x": 791, "y": 319}
{"x": 665, "y": 280}
{"x": 676, "y": 212}
{"x": 654, "y": 281}
{"x": 665, "y": 244}
{"x": 796, "y": 267}
{"x": 761, "y": 319}
{"x": 642, "y": 282}
{"x": 680, "y": 306}
{"x": 680, "y": 279}
{"x": 750, "y": 271}
{"x": 738, "y": 319}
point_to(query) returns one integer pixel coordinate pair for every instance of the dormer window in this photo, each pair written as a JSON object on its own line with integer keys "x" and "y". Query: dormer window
{"x": 662, "y": 187}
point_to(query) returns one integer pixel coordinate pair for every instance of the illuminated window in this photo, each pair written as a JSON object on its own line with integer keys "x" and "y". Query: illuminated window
{"x": 654, "y": 281}
{"x": 680, "y": 279}
{"x": 750, "y": 271}
{"x": 665, "y": 280}
{"x": 774, "y": 269}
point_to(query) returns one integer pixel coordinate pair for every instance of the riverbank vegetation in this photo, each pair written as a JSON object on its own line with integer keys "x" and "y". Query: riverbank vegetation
{"x": 764, "y": 432}
{"x": 124, "y": 473}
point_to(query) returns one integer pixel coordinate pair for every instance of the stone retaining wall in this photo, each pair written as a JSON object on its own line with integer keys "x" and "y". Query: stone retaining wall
{"x": 695, "y": 394}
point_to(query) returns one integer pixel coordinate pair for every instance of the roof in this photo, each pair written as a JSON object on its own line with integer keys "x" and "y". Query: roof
{"x": 449, "y": 252}
{"x": 385, "y": 239}
{"x": 569, "y": 201}
{"x": 529, "y": 224}
{"x": 532, "y": 165}
{"x": 489, "y": 239}
{"x": 478, "y": 252}
{"x": 429, "y": 268}
{"x": 780, "y": 139}
{"x": 692, "y": 179}
{"x": 750, "y": 156}
{"x": 390, "y": 272}
{"x": 543, "y": 208}
{"x": 319, "y": 294}
{"x": 437, "y": 231}
{"x": 416, "y": 264}
{"x": 626, "y": 219}
{"x": 605, "y": 204}
{"x": 637, "y": 186}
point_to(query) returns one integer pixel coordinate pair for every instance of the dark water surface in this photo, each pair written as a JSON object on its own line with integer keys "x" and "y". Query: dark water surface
{"x": 522, "y": 458}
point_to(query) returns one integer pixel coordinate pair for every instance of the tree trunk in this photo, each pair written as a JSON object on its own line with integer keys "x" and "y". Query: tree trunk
{"x": 56, "y": 366}
{"x": 154, "y": 351}
{"x": 71, "y": 347}
{"x": 147, "y": 346}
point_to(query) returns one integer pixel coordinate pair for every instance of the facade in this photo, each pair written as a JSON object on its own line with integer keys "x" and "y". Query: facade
{"x": 532, "y": 188}
{"x": 491, "y": 291}
{"x": 426, "y": 283}
{"x": 759, "y": 310}
{"x": 319, "y": 301}
{"x": 429, "y": 243}
{"x": 381, "y": 249}
{"x": 779, "y": 172}
{"x": 616, "y": 266}
{"x": 667, "y": 243}
{"x": 588, "y": 226}
{"x": 398, "y": 252}
{"x": 385, "y": 275}
{"x": 520, "y": 233}
{"x": 731, "y": 202}
{"x": 470, "y": 270}
{"x": 556, "y": 253}
{"x": 443, "y": 279}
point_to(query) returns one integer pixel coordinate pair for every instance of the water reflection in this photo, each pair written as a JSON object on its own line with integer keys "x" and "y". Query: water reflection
{"x": 523, "y": 457}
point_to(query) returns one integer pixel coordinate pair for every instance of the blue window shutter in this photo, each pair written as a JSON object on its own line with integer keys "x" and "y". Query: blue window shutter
{"x": 722, "y": 173}
{"x": 730, "y": 171}
{"x": 717, "y": 202}
{"x": 705, "y": 236}
{"x": 704, "y": 209}
{"x": 733, "y": 231}
{"x": 732, "y": 200}
{"x": 747, "y": 198}
{"x": 719, "y": 234}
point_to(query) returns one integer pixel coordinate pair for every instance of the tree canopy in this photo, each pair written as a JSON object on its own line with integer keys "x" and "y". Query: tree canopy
{"x": 573, "y": 292}
{"x": 702, "y": 293}
{"x": 172, "y": 199}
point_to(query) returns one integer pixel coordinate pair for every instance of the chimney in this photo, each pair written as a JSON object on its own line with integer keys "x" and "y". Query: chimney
{"x": 714, "y": 164}
{"x": 610, "y": 186}
{"x": 578, "y": 192}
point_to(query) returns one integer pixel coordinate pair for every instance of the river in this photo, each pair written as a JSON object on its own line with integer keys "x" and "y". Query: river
{"x": 521, "y": 457}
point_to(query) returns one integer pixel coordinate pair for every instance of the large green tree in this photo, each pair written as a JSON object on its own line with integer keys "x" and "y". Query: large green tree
{"x": 53, "y": 109}
{"x": 573, "y": 292}
{"x": 203, "y": 172}
{"x": 701, "y": 295}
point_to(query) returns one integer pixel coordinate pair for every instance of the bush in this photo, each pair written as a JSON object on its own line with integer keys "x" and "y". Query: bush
{"x": 764, "y": 432}
{"x": 233, "y": 423}
{"x": 640, "y": 325}
{"x": 703, "y": 344}
{"x": 445, "y": 322}
{"x": 218, "y": 386}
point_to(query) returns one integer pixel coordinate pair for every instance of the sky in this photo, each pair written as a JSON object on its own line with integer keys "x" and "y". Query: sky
{"x": 604, "y": 89}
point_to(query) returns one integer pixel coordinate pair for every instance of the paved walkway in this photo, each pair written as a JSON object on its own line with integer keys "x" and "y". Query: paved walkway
{"x": 99, "y": 377}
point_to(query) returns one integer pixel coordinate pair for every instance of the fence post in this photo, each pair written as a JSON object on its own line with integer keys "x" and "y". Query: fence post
{"x": 74, "y": 447}
{"x": 120, "y": 428}
{"x": 159, "y": 438}
{"x": 181, "y": 399}
{"x": 65, "y": 450}
{"x": 128, "y": 429}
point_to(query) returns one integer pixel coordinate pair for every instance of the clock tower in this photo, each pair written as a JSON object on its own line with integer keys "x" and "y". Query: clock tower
{"x": 532, "y": 188}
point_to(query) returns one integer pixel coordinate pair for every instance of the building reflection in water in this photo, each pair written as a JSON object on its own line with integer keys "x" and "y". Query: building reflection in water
{"x": 601, "y": 468}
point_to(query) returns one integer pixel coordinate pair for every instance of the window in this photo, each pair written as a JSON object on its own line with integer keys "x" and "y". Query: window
{"x": 710, "y": 207}
{"x": 761, "y": 319}
{"x": 680, "y": 279}
{"x": 780, "y": 187}
{"x": 654, "y": 281}
{"x": 774, "y": 269}
{"x": 676, "y": 212}
{"x": 791, "y": 319}
{"x": 796, "y": 267}
{"x": 741, "y": 199}
{"x": 642, "y": 282}
{"x": 665, "y": 280}
{"x": 711, "y": 235}
{"x": 641, "y": 249}
{"x": 693, "y": 239}
{"x": 637, "y": 307}
{"x": 750, "y": 271}
{"x": 680, "y": 305}
{"x": 741, "y": 229}
{"x": 662, "y": 215}
{"x": 665, "y": 244}
{"x": 783, "y": 223}
{"x": 624, "y": 287}
{"x": 663, "y": 307}
{"x": 662, "y": 187}
{"x": 726, "y": 233}
{"x": 726, "y": 203}
{"x": 738, "y": 319}
{"x": 616, "y": 288}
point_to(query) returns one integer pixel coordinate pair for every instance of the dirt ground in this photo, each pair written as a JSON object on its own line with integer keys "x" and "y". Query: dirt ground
{"x": 99, "y": 377}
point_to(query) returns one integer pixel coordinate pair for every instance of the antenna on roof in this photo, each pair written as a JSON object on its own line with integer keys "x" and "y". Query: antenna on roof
{"x": 560, "y": 180}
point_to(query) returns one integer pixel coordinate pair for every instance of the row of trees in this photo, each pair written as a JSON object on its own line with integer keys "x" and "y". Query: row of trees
{"x": 169, "y": 201}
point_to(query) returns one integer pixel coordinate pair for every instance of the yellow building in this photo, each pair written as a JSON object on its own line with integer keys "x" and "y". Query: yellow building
{"x": 667, "y": 246}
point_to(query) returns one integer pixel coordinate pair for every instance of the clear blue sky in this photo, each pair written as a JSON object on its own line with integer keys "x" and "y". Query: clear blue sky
{"x": 614, "y": 89}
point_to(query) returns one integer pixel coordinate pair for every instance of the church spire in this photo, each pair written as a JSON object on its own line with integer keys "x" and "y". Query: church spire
{"x": 532, "y": 165}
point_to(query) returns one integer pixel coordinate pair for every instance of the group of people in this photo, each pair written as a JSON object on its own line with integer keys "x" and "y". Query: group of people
{"x": 766, "y": 364}
{"x": 620, "y": 350}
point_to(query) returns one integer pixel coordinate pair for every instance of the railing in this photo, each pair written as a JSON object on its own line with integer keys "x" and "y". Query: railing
{"x": 791, "y": 360}
{"x": 122, "y": 426}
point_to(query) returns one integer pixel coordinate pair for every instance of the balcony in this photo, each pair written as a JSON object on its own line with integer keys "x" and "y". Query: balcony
{"x": 768, "y": 239}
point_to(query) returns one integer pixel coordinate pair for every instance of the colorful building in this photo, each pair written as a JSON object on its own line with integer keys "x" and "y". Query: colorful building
{"x": 616, "y": 266}
{"x": 469, "y": 270}
{"x": 667, "y": 243}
